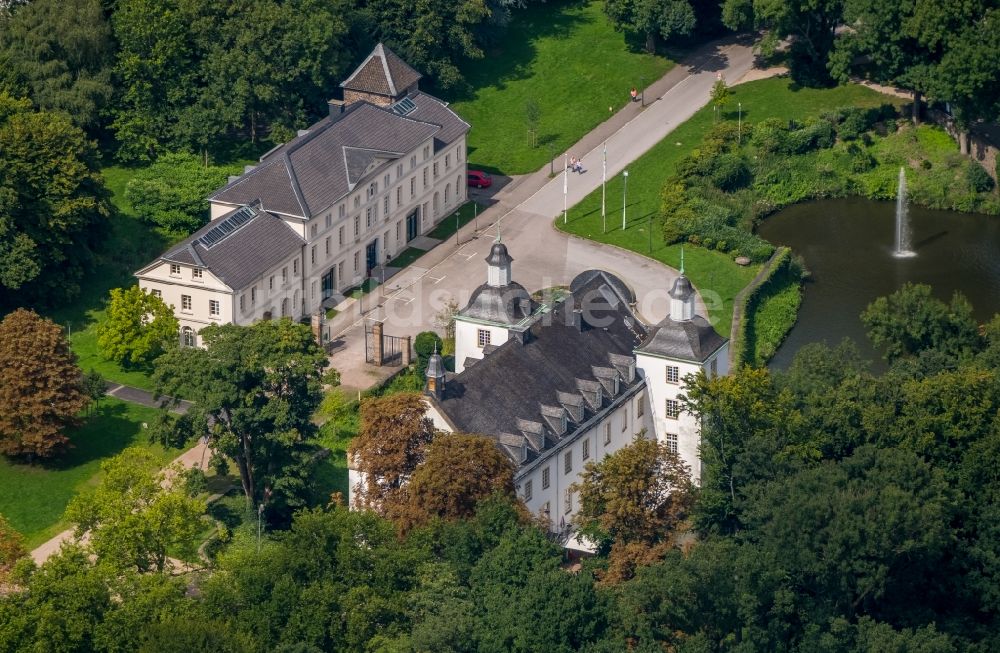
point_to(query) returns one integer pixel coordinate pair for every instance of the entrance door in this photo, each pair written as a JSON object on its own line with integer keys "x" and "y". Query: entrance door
{"x": 328, "y": 283}
{"x": 371, "y": 257}
{"x": 412, "y": 226}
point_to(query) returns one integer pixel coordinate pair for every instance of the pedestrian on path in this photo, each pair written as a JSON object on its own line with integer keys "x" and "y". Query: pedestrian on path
{"x": 635, "y": 94}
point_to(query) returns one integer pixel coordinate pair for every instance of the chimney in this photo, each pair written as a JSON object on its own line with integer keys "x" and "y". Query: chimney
{"x": 337, "y": 108}
{"x": 577, "y": 318}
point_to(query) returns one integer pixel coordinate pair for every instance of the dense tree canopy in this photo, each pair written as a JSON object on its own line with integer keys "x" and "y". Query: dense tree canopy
{"x": 53, "y": 205}
{"x": 60, "y": 54}
{"x": 41, "y": 388}
{"x": 257, "y": 386}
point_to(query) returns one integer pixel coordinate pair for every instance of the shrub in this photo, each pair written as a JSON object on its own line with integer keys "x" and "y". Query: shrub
{"x": 171, "y": 193}
{"x": 854, "y": 123}
{"x": 978, "y": 179}
{"x": 731, "y": 172}
{"x": 770, "y": 135}
{"x": 815, "y": 134}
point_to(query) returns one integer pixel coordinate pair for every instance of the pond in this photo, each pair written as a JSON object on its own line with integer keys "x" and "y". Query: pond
{"x": 847, "y": 244}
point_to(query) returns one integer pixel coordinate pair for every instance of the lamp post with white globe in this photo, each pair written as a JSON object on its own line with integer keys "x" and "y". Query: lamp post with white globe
{"x": 624, "y": 195}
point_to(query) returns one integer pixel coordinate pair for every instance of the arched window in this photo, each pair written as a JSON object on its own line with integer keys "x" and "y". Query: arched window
{"x": 435, "y": 205}
{"x": 187, "y": 336}
{"x": 458, "y": 188}
{"x": 296, "y": 303}
{"x": 284, "y": 307}
{"x": 447, "y": 194}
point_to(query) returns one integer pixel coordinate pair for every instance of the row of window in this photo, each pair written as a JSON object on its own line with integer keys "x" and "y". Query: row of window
{"x": 196, "y": 273}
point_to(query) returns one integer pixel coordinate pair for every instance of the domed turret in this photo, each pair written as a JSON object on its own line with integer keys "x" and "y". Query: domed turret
{"x": 434, "y": 377}
{"x": 499, "y": 262}
{"x": 682, "y": 297}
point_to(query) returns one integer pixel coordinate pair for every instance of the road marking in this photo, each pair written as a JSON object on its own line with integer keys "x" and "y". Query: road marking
{"x": 438, "y": 280}
{"x": 404, "y": 300}
{"x": 465, "y": 255}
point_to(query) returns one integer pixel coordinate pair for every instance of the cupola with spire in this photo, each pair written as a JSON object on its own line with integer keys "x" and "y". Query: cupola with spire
{"x": 434, "y": 376}
{"x": 682, "y": 297}
{"x": 499, "y": 262}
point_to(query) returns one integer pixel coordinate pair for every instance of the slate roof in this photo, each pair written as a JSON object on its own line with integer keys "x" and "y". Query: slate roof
{"x": 242, "y": 256}
{"x": 382, "y": 73}
{"x": 519, "y": 392}
{"x": 690, "y": 340}
{"x": 432, "y": 110}
{"x": 315, "y": 170}
{"x": 508, "y": 304}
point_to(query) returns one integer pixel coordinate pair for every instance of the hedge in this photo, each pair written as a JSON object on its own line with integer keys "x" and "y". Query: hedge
{"x": 774, "y": 273}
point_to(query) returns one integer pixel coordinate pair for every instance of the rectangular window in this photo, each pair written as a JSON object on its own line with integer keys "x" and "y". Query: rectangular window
{"x": 483, "y": 338}
{"x": 175, "y": 270}
{"x": 340, "y": 270}
{"x": 243, "y": 302}
{"x": 673, "y": 374}
{"x": 625, "y": 420}
{"x": 399, "y": 230}
{"x": 284, "y": 274}
{"x": 568, "y": 462}
{"x": 673, "y": 408}
{"x": 340, "y": 236}
{"x": 385, "y": 206}
{"x": 270, "y": 283}
{"x": 342, "y": 210}
{"x": 714, "y": 367}
{"x": 357, "y": 225}
{"x": 312, "y": 230}
{"x": 447, "y": 161}
{"x": 672, "y": 442}
{"x": 372, "y": 189}
{"x": 425, "y": 178}
{"x": 607, "y": 433}
{"x": 585, "y": 452}
{"x": 196, "y": 273}
{"x": 435, "y": 169}
{"x": 385, "y": 180}
{"x": 327, "y": 245}
{"x": 458, "y": 153}
{"x": 527, "y": 490}
{"x": 545, "y": 478}
{"x": 213, "y": 307}
{"x": 356, "y": 261}
{"x": 329, "y": 221}
{"x": 568, "y": 502}
{"x": 413, "y": 187}
{"x": 427, "y": 152}
{"x": 295, "y": 267}
{"x": 640, "y": 407}
{"x": 399, "y": 170}
{"x": 185, "y": 302}
{"x": 312, "y": 255}
{"x": 312, "y": 290}
{"x": 368, "y": 217}
{"x": 253, "y": 296}
{"x": 156, "y": 293}
{"x": 413, "y": 162}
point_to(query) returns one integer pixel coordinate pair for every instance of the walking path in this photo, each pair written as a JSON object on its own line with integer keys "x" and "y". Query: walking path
{"x": 196, "y": 455}
{"x": 526, "y": 208}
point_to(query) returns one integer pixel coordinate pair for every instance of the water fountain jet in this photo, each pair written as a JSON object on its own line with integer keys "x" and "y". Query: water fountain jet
{"x": 902, "y": 220}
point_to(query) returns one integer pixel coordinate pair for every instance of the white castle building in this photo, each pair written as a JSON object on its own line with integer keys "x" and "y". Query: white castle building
{"x": 317, "y": 214}
{"x": 559, "y": 384}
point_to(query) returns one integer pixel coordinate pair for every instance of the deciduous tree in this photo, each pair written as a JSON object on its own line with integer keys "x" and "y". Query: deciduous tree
{"x": 392, "y": 442}
{"x": 41, "y": 388}
{"x": 656, "y": 19}
{"x": 11, "y": 548}
{"x": 457, "y": 473}
{"x": 135, "y": 515}
{"x": 258, "y": 386}
{"x": 138, "y": 327}
{"x": 53, "y": 205}
{"x": 60, "y": 53}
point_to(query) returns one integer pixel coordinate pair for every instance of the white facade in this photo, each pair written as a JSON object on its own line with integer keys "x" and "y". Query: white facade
{"x": 371, "y": 221}
{"x": 470, "y": 336}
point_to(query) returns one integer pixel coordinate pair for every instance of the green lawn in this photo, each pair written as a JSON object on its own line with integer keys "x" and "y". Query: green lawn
{"x": 568, "y": 59}
{"x": 33, "y": 497}
{"x": 710, "y": 271}
{"x": 452, "y": 223}
{"x": 406, "y": 257}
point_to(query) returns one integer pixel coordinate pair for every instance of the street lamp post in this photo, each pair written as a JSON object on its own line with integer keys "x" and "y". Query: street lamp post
{"x": 604, "y": 181}
{"x": 642, "y": 86}
{"x": 552, "y": 161}
{"x": 739, "y": 129}
{"x": 565, "y": 183}
{"x": 260, "y": 512}
{"x": 624, "y": 195}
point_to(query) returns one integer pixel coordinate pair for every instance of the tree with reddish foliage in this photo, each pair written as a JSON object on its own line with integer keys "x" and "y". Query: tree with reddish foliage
{"x": 11, "y": 548}
{"x": 392, "y": 442}
{"x": 41, "y": 387}
{"x": 457, "y": 473}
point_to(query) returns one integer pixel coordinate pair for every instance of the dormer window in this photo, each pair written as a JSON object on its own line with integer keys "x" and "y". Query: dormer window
{"x": 175, "y": 270}
{"x": 372, "y": 189}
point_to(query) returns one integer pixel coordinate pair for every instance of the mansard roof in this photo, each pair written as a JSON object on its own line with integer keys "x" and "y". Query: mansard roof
{"x": 509, "y": 304}
{"x": 382, "y": 73}
{"x": 238, "y": 255}
{"x": 520, "y": 386}
{"x": 317, "y": 169}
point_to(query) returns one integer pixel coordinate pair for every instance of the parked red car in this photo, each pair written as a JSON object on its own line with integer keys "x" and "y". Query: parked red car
{"x": 479, "y": 179}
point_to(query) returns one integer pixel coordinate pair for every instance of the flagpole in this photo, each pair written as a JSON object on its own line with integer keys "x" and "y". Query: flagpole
{"x": 565, "y": 183}
{"x": 604, "y": 181}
